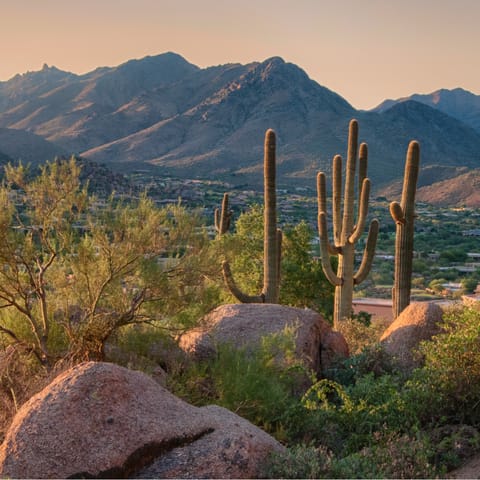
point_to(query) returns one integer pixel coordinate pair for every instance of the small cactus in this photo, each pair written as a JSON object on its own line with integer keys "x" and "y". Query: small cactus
{"x": 223, "y": 217}
{"x": 272, "y": 235}
{"x": 403, "y": 214}
{"x": 345, "y": 232}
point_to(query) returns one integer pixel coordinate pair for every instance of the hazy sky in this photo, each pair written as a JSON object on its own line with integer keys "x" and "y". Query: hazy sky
{"x": 365, "y": 50}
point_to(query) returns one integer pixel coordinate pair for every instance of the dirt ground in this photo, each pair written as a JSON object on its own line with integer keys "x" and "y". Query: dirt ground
{"x": 471, "y": 469}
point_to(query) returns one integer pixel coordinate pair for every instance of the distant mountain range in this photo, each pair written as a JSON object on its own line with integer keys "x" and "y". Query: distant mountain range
{"x": 165, "y": 114}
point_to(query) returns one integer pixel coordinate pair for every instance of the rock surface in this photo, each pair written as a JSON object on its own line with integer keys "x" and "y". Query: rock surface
{"x": 418, "y": 322}
{"x": 244, "y": 325}
{"x": 232, "y": 450}
{"x": 102, "y": 420}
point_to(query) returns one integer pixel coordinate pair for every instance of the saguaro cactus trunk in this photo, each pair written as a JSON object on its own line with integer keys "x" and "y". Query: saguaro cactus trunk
{"x": 223, "y": 217}
{"x": 272, "y": 235}
{"x": 346, "y": 232}
{"x": 404, "y": 216}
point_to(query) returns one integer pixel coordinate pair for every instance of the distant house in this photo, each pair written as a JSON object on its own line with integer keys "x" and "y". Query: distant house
{"x": 377, "y": 307}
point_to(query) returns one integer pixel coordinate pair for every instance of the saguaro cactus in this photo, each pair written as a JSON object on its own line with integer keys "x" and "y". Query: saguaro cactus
{"x": 272, "y": 236}
{"x": 223, "y": 217}
{"x": 345, "y": 232}
{"x": 404, "y": 216}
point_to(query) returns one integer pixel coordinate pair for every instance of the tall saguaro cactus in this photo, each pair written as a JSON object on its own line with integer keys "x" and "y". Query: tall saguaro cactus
{"x": 272, "y": 236}
{"x": 223, "y": 217}
{"x": 404, "y": 215}
{"x": 346, "y": 232}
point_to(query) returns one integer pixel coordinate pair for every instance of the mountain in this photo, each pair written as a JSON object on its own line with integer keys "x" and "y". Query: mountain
{"x": 166, "y": 114}
{"x": 27, "y": 147}
{"x": 458, "y": 103}
{"x": 442, "y": 186}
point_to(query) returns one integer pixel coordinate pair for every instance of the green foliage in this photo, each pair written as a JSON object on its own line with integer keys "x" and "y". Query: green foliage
{"x": 351, "y": 414}
{"x": 303, "y": 283}
{"x": 390, "y": 456}
{"x": 260, "y": 384}
{"x": 448, "y": 386}
{"x": 74, "y": 271}
{"x": 455, "y": 255}
{"x": 244, "y": 250}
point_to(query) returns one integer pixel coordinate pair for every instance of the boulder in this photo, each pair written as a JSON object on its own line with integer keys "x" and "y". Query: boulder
{"x": 102, "y": 420}
{"x": 418, "y": 322}
{"x": 245, "y": 325}
{"x": 234, "y": 449}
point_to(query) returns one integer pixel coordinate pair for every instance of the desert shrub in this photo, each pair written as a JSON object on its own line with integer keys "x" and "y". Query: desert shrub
{"x": 263, "y": 385}
{"x": 350, "y": 415}
{"x": 360, "y": 333}
{"x": 390, "y": 456}
{"x": 299, "y": 461}
{"x": 371, "y": 360}
{"x": 447, "y": 388}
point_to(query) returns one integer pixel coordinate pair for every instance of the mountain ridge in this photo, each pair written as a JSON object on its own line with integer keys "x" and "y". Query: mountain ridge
{"x": 458, "y": 103}
{"x": 170, "y": 115}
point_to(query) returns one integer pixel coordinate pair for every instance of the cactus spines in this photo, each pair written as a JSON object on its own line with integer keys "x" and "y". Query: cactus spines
{"x": 272, "y": 239}
{"x": 403, "y": 214}
{"x": 223, "y": 217}
{"x": 346, "y": 232}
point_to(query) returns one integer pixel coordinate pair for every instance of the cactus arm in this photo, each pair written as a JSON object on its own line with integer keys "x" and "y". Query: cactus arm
{"x": 362, "y": 212}
{"x": 396, "y": 212}
{"x": 223, "y": 217}
{"x": 362, "y": 164}
{"x": 322, "y": 207}
{"x": 337, "y": 199}
{"x": 349, "y": 192}
{"x": 324, "y": 251}
{"x": 321, "y": 192}
{"x": 236, "y": 292}
{"x": 368, "y": 253}
{"x": 217, "y": 220}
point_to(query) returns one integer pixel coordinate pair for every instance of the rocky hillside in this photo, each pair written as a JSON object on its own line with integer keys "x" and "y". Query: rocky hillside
{"x": 442, "y": 186}
{"x": 167, "y": 114}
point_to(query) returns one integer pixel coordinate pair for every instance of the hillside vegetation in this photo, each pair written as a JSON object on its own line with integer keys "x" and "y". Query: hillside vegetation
{"x": 117, "y": 280}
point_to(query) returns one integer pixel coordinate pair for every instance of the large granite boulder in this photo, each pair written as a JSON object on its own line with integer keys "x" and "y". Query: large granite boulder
{"x": 245, "y": 325}
{"x": 418, "y": 322}
{"x": 102, "y": 420}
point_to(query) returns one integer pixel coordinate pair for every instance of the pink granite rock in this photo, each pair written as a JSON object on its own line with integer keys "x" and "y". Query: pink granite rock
{"x": 244, "y": 325}
{"x": 99, "y": 419}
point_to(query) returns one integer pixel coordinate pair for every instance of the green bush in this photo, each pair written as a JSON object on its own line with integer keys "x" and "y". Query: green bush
{"x": 351, "y": 415}
{"x": 447, "y": 388}
{"x": 263, "y": 385}
{"x": 390, "y": 456}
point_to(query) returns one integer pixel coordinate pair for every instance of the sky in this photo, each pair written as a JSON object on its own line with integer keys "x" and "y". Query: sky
{"x": 364, "y": 50}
